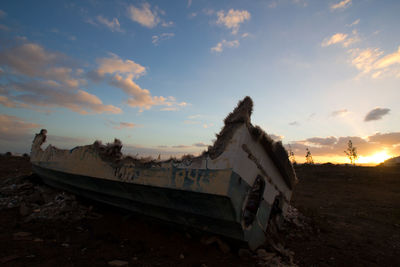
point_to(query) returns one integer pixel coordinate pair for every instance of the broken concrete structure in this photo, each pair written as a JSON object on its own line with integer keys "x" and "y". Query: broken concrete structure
{"x": 233, "y": 189}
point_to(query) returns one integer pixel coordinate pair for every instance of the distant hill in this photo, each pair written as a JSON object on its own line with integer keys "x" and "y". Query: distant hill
{"x": 392, "y": 162}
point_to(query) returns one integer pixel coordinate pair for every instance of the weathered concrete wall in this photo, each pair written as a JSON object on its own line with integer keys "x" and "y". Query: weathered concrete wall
{"x": 229, "y": 169}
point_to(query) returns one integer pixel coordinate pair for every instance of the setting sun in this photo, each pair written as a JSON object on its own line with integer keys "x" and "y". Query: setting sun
{"x": 375, "y": 158}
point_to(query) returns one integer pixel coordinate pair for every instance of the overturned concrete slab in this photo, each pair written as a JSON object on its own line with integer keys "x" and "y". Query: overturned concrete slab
{"x": 233, "y": 189}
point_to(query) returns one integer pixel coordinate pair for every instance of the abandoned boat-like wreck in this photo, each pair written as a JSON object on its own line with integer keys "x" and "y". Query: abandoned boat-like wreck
{"x": 233, "y": 189}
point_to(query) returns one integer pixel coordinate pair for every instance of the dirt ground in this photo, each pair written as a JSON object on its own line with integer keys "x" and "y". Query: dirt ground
{"x": 352, "y": 218}
{"x": 356, "y": 211}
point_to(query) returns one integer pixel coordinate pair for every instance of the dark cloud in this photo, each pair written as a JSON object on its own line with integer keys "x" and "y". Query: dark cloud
{"x": 16, "y": 129}
{"x": 340, "y": 112}
{"x": 200, "y": 144}
{"x": 120, "y": 125}
{"x": 180, "y": 146}
{"x": 376, "y": 114}
{"x": 322, "y": 141}
{"x": 294, "y": 123}
{"x": 385, "y": 139}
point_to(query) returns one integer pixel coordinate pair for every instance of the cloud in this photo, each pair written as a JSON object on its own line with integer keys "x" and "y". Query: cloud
{"x": 303, "y": 3}
{"x": 4, "y": 28}
{"x": 114, "y": 64}
{"x": 294, "y": 123}
{"x": 376, "y": 114}
{"x": 50, "y": 94}
{"x": 353, "y": 23}
{"x": 341, "y": 38}
{"x": 14, "y": 128}
{"x": 389, "y": 60}
{"x": 113, "y": 25}
{"x": 144, "y": 15}
{"x": 33, "y": 60}
{"x": 156, "y": 39}
{"x": 371, "y": 61}
{"x": 189, "y": 4}
{"x": 233, "y": 19}
{"x": 221, "y": 45}
{"x": 167, "y": 24}
{"x": 200, "y": 144}
{"x": 320, "y": 141}
{"x": 121, "y": 125}
{"x": 388, "y": 139}
{"x": 46, "y": 79}
{"x": 171, "y": 104}
{"x": 208, "y": 125}
{"x": 335, "y": 146}
{"x": 273, "y": 4}
{"x": 2, "y": 14}
{"x": 9, "y": 103}
{"x": 339, "y": 113}
{"x": 180, "y": 146}
{"x": 192, "y": 15}
{"x": 122, "y": 73}
{"x": 334, "y": 39}
{"x": 141, "y": 97}
{"x": 364, "y": 59}
{"x": 341, "y": 5}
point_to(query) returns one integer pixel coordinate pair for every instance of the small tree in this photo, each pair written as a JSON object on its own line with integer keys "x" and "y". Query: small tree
{"x": 291, "y": 156}
{"x": 309, "y": 159}
{"x": 351, "y": 152}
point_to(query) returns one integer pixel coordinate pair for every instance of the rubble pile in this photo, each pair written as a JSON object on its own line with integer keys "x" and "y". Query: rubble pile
{"x": 274, "y": 253}
{"x": 37, "y": 201}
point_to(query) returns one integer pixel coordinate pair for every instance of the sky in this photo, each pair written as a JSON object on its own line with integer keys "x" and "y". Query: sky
{"x": 162, "y": 75}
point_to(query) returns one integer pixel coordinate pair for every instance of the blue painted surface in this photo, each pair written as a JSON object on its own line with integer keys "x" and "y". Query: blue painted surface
{"x": 220, "y": 214}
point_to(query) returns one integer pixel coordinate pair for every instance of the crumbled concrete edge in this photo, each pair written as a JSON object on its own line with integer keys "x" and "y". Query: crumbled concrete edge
{"x": 111, "y": 152}
{"x": 241, "y": 115}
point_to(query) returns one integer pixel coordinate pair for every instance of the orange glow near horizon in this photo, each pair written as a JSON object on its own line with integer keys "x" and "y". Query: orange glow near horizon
{"x": 374, "y": 159}
{"x": 377, "y": 158}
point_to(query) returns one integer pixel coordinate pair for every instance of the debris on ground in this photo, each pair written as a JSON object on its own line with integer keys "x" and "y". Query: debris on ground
{"x": 38, "y": 201}
{"x": 117, "y": 263}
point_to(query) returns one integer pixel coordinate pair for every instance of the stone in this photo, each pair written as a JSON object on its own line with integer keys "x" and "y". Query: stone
{"x": 24, "y": 210}
{"x": 214, "y": 239}
{"x": 181, "y": 256}
{"x": 21, "y": 235}
{"x": 118, "y": 263}
{"x": 244, "y": 253}
{"x": 9, "y": 258}
{"x": 223, "y": 246}
{"x": 35, "y": 197}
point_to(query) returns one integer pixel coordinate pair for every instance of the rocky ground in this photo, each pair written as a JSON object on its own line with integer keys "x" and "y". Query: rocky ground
{"x": 351, "y": 217}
